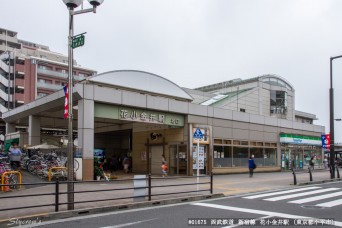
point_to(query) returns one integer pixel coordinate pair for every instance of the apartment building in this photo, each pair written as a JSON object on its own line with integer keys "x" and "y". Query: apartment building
{"x": 29, "y": 71}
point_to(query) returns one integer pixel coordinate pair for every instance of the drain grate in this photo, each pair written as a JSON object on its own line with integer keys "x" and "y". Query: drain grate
{"x": 312, "y": 207}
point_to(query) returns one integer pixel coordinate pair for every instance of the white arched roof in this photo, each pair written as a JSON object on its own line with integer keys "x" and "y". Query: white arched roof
{"x": 141, "y": 81}
{"x": 277, "y": 80}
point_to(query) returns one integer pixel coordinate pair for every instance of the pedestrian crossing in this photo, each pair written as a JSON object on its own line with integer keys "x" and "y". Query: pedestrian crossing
{"x": 329, "y": 195}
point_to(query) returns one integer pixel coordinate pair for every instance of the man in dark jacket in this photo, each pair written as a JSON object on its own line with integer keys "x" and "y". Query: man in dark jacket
{"x": 251, "y": 166}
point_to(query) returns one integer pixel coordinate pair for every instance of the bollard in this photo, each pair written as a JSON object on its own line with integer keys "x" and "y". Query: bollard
{"x": 57, "y": 195}
{"x": 211, "y": 182}
{"x": 294, "y": 177}
{"x": 310, "y": 174}
{"x": 149, "y": 187}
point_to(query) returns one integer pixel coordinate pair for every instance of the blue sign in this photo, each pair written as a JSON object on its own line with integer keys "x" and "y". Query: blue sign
{"x": 198, "y": 134}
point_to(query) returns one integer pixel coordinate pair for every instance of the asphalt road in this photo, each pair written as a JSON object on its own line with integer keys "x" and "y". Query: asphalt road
{"x": 293, "y": 205}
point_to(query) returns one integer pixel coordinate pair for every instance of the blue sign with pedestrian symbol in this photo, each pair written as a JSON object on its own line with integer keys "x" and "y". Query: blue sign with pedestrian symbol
{"x": 198, "y": 134}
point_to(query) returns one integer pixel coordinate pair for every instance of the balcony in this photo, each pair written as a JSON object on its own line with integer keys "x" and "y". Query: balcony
{"x": 20, "y": 74}
{"x": 59, "y": 74}
{"x": 49, "y": 86}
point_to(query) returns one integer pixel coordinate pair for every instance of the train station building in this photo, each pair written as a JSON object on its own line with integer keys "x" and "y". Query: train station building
{"x": 145, "y": 116}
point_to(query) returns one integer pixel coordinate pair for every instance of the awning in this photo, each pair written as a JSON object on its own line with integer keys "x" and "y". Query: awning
{"x": 9, "y": 142}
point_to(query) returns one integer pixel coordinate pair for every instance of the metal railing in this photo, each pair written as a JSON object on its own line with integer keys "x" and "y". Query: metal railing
{"x": 57, "y": 192}
{"x": 310, "y": 173}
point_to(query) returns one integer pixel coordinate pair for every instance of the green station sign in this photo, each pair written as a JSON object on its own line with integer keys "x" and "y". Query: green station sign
{"x": 77, "y": 41}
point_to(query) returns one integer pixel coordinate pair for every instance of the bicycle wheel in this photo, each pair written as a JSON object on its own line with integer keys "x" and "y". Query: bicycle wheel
{"x": 31, "y": 167}
{"x": 13, "y": 180}
{"x": 76, "y": 165}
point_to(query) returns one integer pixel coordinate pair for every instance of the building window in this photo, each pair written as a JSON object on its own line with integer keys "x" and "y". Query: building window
{"x": 223, "y": 156}
{"x": 278, "y": 102}
{"x": 240, "y": 155}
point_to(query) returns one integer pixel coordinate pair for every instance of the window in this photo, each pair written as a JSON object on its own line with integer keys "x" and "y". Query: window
{"x": 278, "y": 102}
{"x": 223, "y": 156}
{"x": 240, "y": 155}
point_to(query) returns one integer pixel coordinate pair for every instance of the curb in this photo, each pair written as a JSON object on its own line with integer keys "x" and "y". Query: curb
{"x": 97, "y": 210}
{"x": 319, "y": 182}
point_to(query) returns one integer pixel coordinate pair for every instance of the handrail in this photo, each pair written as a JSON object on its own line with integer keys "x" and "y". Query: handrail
{"x": 147, "y": 196}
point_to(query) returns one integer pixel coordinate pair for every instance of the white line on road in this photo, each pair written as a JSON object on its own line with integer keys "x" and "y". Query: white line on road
{"x": 259, "y": 212}
{"x": 316, "y": 198}
{"x": 331, "y": 203}
{"x": 279, "y": 193}
{"x": 128, "y": 224}
{"x": 301, "y": 194}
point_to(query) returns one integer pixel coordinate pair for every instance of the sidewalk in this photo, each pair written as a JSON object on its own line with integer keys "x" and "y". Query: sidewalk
{"x": 233, "y": 184}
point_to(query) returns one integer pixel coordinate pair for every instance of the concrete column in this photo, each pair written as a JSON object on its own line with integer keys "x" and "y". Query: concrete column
{"x": 86, "y": 137}
{"x": 10, "y": 128}
{"x": 34, "y": 131}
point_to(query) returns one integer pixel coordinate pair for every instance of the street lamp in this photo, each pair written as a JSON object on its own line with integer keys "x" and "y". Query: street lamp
{"x": 72, "y": 4}
{"x": 332, "y": 131}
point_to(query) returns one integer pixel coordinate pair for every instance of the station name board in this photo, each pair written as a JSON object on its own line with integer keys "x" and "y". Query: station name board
{"x": 137, "y": 115}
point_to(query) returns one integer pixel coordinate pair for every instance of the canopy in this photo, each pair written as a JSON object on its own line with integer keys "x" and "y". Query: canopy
{"x": 43, "y": 146}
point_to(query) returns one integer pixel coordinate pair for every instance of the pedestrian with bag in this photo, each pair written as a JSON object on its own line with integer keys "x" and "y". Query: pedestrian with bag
{"x": 251, "y": 165}
{"x": 312, "y": 163}
{"x": 164, "y": 169}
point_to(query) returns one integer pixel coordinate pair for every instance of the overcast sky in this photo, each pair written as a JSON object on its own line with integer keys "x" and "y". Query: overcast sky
{"x": 199, "y": 42}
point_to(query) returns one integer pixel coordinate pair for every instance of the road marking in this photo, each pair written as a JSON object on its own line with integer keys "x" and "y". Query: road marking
{"x": 301, "y": 194}
{"x": 279, "y": 193}
{"x": 128, "y": 224}
{"x": 331, "y": 203}
{"x": 260, "y": 212}
{"x": 315, "y": 198}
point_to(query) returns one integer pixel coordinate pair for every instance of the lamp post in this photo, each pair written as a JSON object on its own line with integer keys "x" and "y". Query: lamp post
{"x": 332, "y": 131}
{"x": 72, "y": 4}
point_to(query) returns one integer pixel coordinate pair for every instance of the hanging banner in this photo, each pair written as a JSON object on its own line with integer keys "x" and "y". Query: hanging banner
{"x": 326, "y": 141}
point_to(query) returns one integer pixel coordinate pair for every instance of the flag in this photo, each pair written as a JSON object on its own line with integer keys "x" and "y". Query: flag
{"x": 66, "y": 101}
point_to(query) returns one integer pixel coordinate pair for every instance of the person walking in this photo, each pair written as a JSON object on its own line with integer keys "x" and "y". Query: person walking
{"x": 163, "y": 159}
{"x": 164, "y": 169}
{"x": 15, "y": 156}
{"x": 125, "y": 163}
{"x": 312, "y": 163}
{"x": 251, "y": 165}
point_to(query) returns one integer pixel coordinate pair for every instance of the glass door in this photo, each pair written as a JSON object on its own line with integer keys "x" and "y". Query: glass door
{"x": 178, "y": 160}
